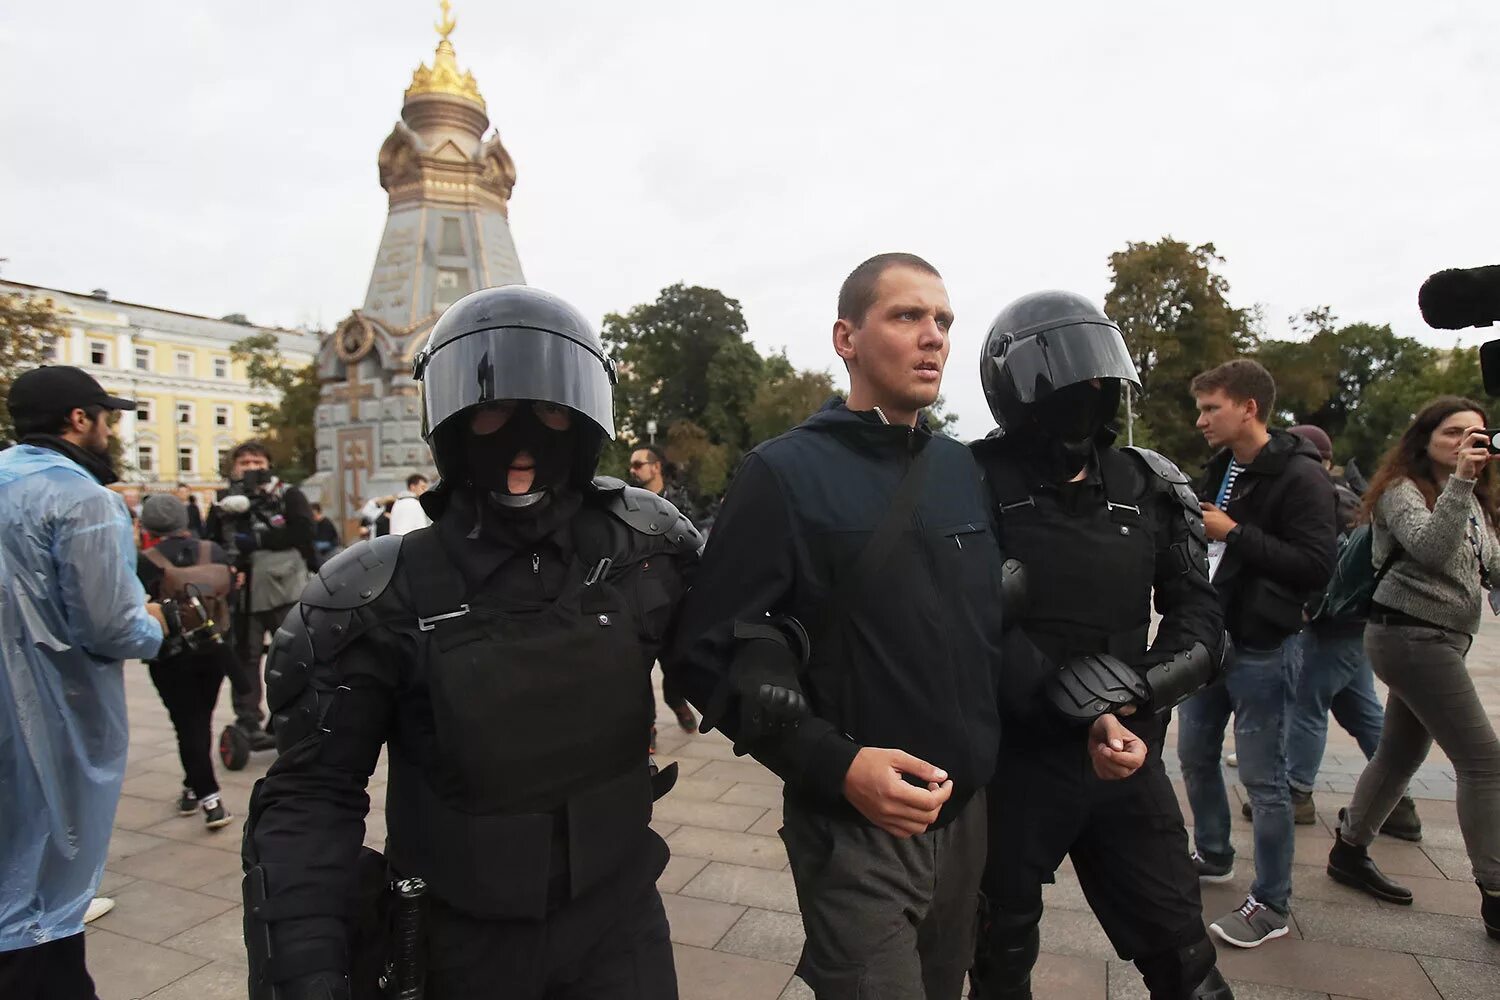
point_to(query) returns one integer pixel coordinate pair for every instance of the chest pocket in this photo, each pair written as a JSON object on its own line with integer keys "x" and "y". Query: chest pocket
{"x": 969, "y": 558}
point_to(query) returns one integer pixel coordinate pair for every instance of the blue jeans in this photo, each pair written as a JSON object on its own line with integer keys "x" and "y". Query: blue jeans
{"x": 1336, "y": 676}
{"x": 1258, "y": 691}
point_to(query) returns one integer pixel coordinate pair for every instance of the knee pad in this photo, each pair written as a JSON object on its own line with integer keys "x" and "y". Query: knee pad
{"x": 1187, "y": 973}
{"x": 1008, "y": 945}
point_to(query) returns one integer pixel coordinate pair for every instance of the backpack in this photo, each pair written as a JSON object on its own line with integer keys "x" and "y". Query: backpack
{"x": 208, "y": 581}
{"x": 1351, "y": 590}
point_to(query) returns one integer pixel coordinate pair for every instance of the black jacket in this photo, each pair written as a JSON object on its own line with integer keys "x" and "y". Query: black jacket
{"x": 1284, "y": 553}
{"x": 286, "y": 522}
{"x": 913, "y": 664}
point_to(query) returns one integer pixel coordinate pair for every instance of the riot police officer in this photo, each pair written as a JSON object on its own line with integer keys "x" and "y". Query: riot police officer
{"x": 502, "y": 655}
{"x": 1096, "y": 529}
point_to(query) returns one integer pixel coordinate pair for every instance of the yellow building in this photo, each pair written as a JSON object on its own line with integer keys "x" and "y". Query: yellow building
{"x": 193, "y": 399}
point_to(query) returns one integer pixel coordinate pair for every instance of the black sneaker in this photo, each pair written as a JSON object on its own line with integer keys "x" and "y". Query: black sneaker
{"x": 1403, "y": 823}
{"x": 1212, "y": 871}
{"x": 215, "y": 815}
{"x": 187, "y": 805}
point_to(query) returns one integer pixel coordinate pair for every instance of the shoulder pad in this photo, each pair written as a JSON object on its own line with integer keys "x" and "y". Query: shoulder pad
{"x": 1161, "y": 465}
{"x": 354, "y": 577}
{"x": 289, "y": 668}
{"x": 645, "y": 512}
{"x": 1165, "y": 470}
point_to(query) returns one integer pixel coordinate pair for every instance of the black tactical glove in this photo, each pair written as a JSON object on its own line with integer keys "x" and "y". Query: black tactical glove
{"x": 771, "y": 710}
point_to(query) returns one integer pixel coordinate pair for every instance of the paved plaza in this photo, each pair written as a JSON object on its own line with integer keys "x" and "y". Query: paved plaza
{"x": 175, "y": 931}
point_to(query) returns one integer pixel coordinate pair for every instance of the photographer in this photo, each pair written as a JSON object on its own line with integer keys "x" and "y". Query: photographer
{"x": 1433, "y": 507}
{"x": 188, "y": 671}
{"x": 266, "y": 526}
{"x": 73, "y": 612}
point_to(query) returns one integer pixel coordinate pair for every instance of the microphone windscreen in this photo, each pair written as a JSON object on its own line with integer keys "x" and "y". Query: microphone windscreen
{"x": 1489, "y": 365}
{"x": 1461, "y": 297}
{"x": 235, "y": 504}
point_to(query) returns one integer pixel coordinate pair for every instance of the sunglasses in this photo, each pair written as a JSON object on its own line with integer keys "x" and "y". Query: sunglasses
{"x": 491, "y": 417}
{"x": 640, "y": 465}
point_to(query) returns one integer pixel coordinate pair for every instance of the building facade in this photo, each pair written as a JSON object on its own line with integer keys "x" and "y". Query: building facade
{"x": 193, "y": 398}
{"x": 447, "y": 233}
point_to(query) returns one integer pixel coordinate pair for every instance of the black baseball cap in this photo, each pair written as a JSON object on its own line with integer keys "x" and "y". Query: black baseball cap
{"x": 57, "y": 390}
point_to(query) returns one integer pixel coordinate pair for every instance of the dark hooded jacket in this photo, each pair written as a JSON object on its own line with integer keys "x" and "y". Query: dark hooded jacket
{"x": 912, "y": 663}
{"x": 1284, "y": 552}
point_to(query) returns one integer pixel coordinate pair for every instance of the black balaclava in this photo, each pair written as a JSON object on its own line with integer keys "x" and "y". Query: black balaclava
{"x": 487, "y": 458}
{"x": 1064, "y": 425}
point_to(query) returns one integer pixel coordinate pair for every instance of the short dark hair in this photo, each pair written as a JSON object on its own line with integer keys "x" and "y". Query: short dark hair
{"x": 414, "y": 479}
{"x": 53, "y": 423}
{"x": 650, "y": 449}
{"x": 857, "y": 294}
{"x": 250, "y": 447}
{"x": 317, "y": 508}
{"x": 1241, "y": 379}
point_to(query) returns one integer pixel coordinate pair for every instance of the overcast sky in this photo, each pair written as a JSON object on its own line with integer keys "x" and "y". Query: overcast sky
{"x": 220, "y": 158}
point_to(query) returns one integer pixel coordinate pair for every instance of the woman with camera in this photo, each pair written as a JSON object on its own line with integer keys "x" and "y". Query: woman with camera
{"x": 188, "y": 674}
{"x": 1433, "y": 506}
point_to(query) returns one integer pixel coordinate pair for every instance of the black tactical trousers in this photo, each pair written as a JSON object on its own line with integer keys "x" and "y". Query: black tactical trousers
{"x": 611, "y": 944}
{"x": 1129, "y": 851}
{"x": 252, "y": 633}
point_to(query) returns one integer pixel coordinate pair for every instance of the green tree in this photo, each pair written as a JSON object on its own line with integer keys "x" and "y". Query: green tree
{"x": 27, "y": 328}
{"x": 1174, "y": 311}
{"x": 1388, "y": 404}
{"x": 289, "y": 425}
{"x": 784, "y": 398}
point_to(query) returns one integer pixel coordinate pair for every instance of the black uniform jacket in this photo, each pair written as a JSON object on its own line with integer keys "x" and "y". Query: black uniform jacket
{"x": 1092, "y": 572}
{"x": 912, "y": 663}
{"x": 307, "y": 818}
{"x": 1284, "y": 553}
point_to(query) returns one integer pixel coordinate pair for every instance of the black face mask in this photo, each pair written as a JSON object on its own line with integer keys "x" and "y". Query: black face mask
{"x": 488, "y": 456}
{"x": 1065, "y": 424}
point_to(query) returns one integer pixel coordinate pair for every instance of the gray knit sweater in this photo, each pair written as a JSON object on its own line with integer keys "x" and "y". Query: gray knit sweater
{"x": 1436, "y": 577}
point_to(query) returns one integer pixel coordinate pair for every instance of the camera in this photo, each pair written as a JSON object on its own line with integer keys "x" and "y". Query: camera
{"x": 1492, "y": 439}
{"x": 190, "y": 627}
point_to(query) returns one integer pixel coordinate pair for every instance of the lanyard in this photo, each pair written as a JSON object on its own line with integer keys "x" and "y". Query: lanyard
{"x": 1231, "y": 471}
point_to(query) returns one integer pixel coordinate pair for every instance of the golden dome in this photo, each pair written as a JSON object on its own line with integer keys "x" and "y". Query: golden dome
{"x": 444, "y": 76}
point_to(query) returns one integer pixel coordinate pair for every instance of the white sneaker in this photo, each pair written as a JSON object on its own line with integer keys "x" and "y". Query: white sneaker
{"x": 98, "y": 907}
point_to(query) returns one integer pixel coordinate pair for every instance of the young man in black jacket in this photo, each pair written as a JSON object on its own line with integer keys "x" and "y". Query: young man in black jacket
{"x": 845, "y": 631}
{"x": 1268, "y": 511}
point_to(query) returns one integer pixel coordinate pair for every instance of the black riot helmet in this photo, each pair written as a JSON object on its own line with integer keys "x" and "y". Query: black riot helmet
{"x": 513, "y": 342}
{"x": 1044, "y": 343}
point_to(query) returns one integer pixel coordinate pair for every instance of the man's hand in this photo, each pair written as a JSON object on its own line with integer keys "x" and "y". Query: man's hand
{"x": 1116, "y": 751}
{"x": 1216, "y": 523}
{"x": 154, "y": 610}
{"x": 874, "y": 786}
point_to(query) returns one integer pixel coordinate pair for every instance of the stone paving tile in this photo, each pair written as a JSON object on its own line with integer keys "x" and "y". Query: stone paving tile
{"x": 712, "y": 815}
{"x": 1457, "y": 980}
{"x": 190, "y": 830}
{"x": 768, "y": 825}
{"x": 716, "y": 975}
{"x": 124, "y": 968}
{"x": 150, "y": 911}
{"x": 154, "y": 785}
{"x": 1321, "y": 967}
{"x": 746, "y": 794}
{"x": 724, "y": 845}
{"x": 1438, "y": 895}
{"x": 216, "y": 981}
{"x": 739, "y": 770}
{"x": 710, "y": 748}
{"x": 127, "y": 843}
{"x": 135, "y": 813}
{"x": 702, "y": 790}
{"x": 1435, "y": 934}
{"x": 766, "y": 934}
{"x": 1125, "y": 983}
{"x": 221, "y": 939}
{"x": 685, "y": 765}
{"x": 758, "y": 887}
{"x": 228, "y": 887}
{"x": 679, "y": 872}
{"x": 1453, "y": 863}
{"x": 699, "y": 922}
{"x": 663, "y": 829}
{"x": 1069, "y": 932}
{"x": 1312, "y": 882}
{"x": 186, "y": 866}
{"x": 113, "y": 882}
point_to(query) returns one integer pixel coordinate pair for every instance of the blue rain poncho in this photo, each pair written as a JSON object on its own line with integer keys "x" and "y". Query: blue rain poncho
{"x": 71, "y": 611}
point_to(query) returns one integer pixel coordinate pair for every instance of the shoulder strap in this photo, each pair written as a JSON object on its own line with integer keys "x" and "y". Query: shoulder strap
{"x": 877, "y": 549}
{"x": 205, "y": 552}
{"x": 158, "y": 560}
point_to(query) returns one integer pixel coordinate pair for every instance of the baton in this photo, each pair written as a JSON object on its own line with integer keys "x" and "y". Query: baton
{"x": 408, "y": 958}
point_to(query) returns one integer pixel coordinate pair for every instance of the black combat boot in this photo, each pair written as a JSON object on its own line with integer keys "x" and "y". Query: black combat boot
{"x": 1351, "y": 865}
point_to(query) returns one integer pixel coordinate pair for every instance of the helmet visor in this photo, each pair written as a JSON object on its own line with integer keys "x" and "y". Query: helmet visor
{"x": 1053, "y": 359}
{"x": 515, "y": 363}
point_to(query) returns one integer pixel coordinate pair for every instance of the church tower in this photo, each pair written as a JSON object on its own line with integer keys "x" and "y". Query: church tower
{"x": 447, "y": 233}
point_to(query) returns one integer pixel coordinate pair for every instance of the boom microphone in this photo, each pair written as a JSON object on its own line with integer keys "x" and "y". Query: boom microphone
{"x": 235, "y": 504}
{"x": 1461, "y": 297}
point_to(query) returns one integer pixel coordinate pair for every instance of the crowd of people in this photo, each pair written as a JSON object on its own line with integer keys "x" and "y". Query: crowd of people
{"x": 945, "y": 651}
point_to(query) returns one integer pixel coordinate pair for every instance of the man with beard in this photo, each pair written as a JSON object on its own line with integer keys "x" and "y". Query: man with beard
{"x": 72, "y": 612}
{"x": 1097, "y": 530}
{"x": 502, "y": 656}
